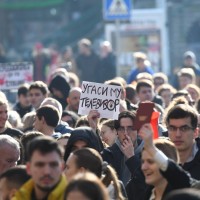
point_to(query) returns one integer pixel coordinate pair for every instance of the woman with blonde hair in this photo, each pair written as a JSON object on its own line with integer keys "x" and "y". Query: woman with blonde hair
{"x": 161, "y": 172}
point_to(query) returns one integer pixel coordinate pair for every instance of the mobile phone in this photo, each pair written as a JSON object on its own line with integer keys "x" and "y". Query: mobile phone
{"x": 143, "y": 114}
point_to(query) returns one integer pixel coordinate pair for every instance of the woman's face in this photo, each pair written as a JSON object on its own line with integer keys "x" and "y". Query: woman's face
{"x": 71, "y": 168}
{"x": 108, "y": 135}
{"x": 76, "y": 195}
{"x": 150, "y": 170}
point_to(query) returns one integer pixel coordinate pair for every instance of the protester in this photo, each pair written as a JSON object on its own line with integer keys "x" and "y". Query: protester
{"x": 59, "y": 88}
{"x": 9, "y": 152}
{"x": 166, "y": 91}
{"x": 38, "y": 91}
{"x": 68, "y": 59}
{"x": 73, "y": 80}
{"x": 124, "y": 155}
{"x": 145, "y": 92}
{"x": 86, "y": 186}
{"x": 131, "y": 94}
{"x": 82, "y": 121}
{"x": 24, "y": 140}
{"x": 159, "y": 79}
{"x": 11, "y": 180}
{"x": 4, "y": 128}
{"x": 41, "y": 61}
{"x": 141, "y": 66}
{"x": 181, "y": 121}
{"x": 70, "y": 117}
{"x": 82, "y": 137}
{"x": 23, "y": 105}
{"x": 186, "y": 76}
{"x": 108, "y": 132}
{"x": 62, "y": 126}
{"x": 87, "y": 61}
{"x": 46, "y": 120}
{"x": 194, "y": 92}
{"x": 107, "y": 63}
{"x": 89, "y": 160}
{"x": 157, "y": 169}
{"x": 73, "y": 99}
{"x": 45, "y": 168}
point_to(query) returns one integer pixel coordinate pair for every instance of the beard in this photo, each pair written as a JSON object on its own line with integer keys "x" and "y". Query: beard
{"x": 46, "y": 188}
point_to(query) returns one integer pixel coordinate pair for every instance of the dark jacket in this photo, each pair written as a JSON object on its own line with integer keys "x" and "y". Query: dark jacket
{"x": 85, "y": 134}
{"x": 135, "y": 188}
{"x": 107, "y": 68}
{"x": 193, "y": 167}
{"x": 88, "y": 67}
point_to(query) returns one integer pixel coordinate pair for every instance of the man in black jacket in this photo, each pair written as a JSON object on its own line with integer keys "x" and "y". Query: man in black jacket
{"x": 23, "y": 105}
{"x": 124, "y": 155}
{"x": 182, "y": 121}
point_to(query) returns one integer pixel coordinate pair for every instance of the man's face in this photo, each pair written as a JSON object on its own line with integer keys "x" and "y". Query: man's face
{"x": 126, "y": 129}
{"x": 183, "y": 139}
{"x": 45, "y": 169}
{"x": 24, "y": 100}
{"x": 73, "y": 100}
{"x": 8, "y": 157}
{"x": 4, "y": 190}
{"x": 36, "y": 97}
{"x": 145, "y": 94}
{"x": 3, "y": 115}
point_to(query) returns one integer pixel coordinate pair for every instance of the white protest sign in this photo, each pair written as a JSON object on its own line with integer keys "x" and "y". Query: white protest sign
{"x": 101, "y": 97}
{"x": 12, "y": 75}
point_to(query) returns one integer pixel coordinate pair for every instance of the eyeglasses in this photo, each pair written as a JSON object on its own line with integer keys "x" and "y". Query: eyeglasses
{"x": 128, "y": 129}
{"x": 182, "y": 129}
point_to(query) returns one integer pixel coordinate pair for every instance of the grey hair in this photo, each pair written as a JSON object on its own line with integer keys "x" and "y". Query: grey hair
{"x": 8, "y": 140}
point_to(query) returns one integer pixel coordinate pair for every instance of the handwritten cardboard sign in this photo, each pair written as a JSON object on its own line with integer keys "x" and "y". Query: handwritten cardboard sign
{"x": 12, "y": 75}
{"x": 101, "y": 97}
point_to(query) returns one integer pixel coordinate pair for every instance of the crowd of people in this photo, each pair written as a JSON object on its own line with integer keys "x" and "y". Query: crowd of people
{"x": 48, "y": 151}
